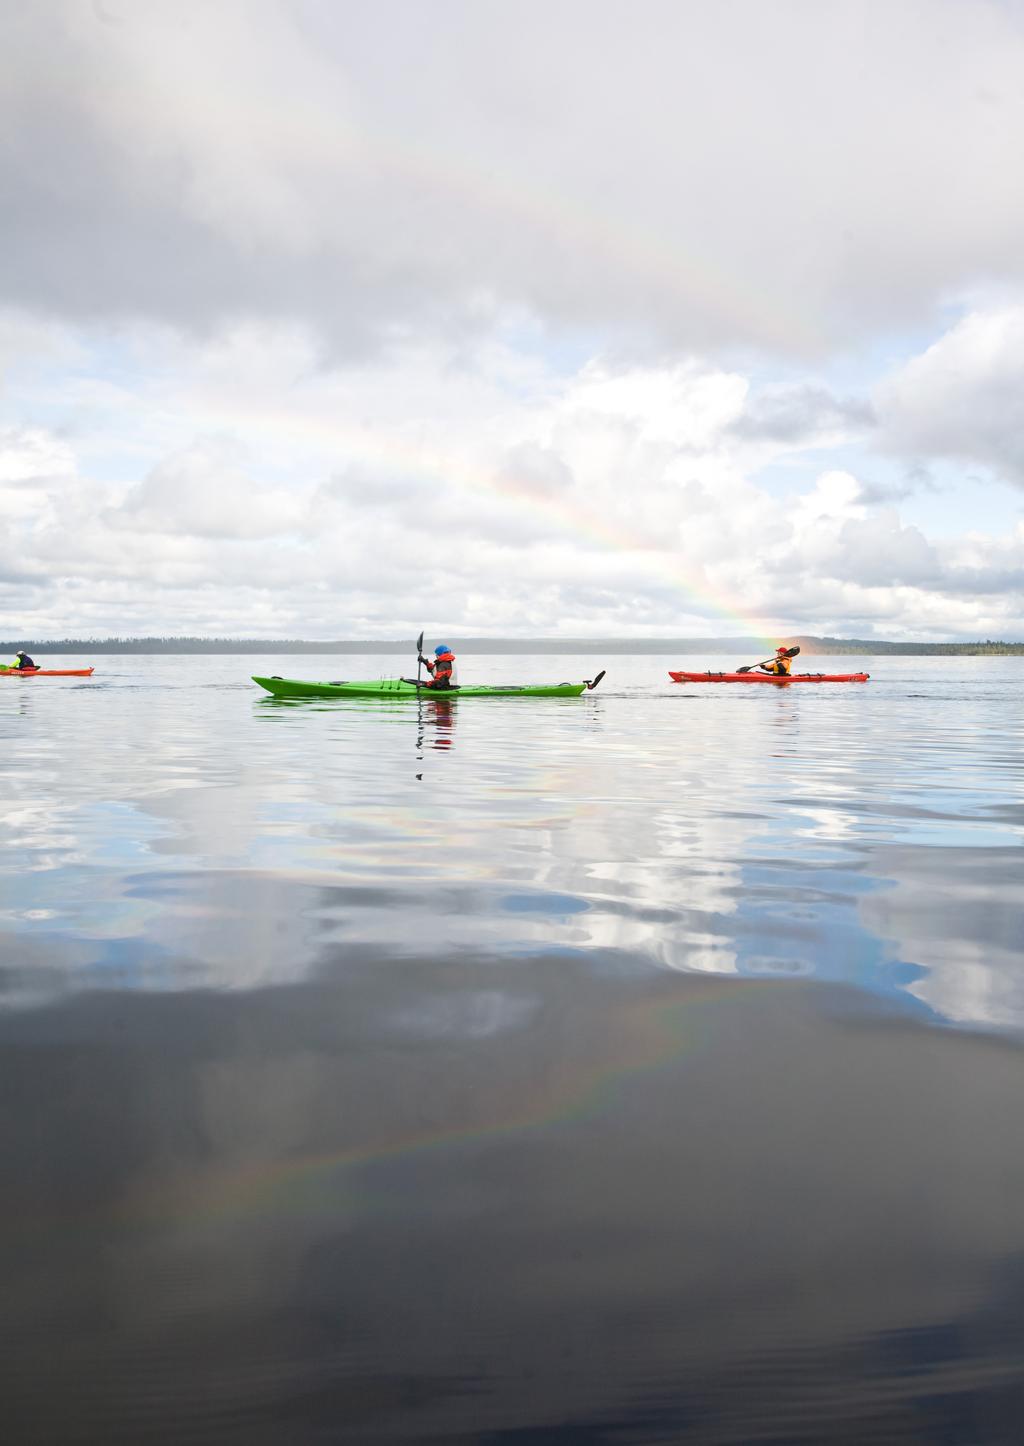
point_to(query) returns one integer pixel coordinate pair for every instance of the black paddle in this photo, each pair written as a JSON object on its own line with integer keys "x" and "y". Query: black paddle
{"x": 419, "y": 658}
{"x": 591, "y": 686}
{"x": 789, "y": 653}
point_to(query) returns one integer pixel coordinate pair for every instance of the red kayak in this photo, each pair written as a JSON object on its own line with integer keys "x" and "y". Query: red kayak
{"x": 46, "y": 672}
{"x": 768, "y": 678}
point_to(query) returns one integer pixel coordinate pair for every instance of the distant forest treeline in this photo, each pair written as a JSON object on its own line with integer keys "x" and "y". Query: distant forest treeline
{"x": 830, "y": 646}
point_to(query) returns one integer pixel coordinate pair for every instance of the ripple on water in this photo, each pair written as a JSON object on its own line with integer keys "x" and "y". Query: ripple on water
{"x": 638, "y": 1068}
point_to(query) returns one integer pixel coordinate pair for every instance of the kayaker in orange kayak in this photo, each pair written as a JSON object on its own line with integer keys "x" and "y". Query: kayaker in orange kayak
{"x": 781, "y": 666}
{"x": 21, "y": 662}
{"x": 441, "y": 668}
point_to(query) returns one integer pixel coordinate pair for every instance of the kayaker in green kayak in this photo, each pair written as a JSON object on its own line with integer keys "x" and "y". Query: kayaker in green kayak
{"x": 442, "y": 669}
{"x": 781, "y": 664}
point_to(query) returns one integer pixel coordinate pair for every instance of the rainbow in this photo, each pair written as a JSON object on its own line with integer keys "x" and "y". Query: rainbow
{"x": 649, "y": 1036}
{"x": 571, "y": 518}
{"x": 577, "y": 229}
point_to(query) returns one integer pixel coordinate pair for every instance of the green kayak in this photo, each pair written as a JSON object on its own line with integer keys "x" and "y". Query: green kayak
{"x": 404, "y": 688}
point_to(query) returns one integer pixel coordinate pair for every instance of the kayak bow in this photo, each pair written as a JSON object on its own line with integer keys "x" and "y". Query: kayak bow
{"x": 404, "y": 688}
{"x": 681, "y": 677}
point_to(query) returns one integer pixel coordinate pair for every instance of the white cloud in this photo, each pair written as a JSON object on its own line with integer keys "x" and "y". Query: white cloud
{"x": 963, "y": 398}
{"x": 314, "y": 309}
{"x": 803, "y": 414}
{"x": 27, "y": 454}
{"x": 697, "y": 175}
{"x": 204, "y": 491}
{"x": 329, "y": 501}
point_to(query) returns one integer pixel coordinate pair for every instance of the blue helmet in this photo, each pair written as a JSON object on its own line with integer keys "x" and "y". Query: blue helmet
{"x": 444, "y": 648}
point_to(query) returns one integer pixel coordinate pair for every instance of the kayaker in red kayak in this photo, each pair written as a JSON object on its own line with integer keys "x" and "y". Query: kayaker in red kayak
{"x": 441, "y": 669}
{"x": 781, "y": 666}
{"x": 22, "y": 661}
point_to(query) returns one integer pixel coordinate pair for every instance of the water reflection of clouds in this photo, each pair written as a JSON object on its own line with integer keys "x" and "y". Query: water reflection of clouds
{"x": 911, "y": 888}
{"x": 958, "y": 914}
{"x": 435, "y": 1193}
{"x": 462, "y": 1014}
{"x": 41, "y": 832}
{"x": 743, "y": 834}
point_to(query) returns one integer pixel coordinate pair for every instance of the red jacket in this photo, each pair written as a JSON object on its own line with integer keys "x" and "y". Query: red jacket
{"x": 442, "y": 670}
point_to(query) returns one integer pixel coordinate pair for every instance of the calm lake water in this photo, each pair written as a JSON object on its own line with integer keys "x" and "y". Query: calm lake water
{"x": 642, "y": 1068}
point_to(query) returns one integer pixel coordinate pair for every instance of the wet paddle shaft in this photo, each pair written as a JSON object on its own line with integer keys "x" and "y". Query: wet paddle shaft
{"x": 789, "y": 653}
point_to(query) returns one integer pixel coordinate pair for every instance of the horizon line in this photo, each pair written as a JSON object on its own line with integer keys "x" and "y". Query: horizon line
{"x": 197, "y": 643}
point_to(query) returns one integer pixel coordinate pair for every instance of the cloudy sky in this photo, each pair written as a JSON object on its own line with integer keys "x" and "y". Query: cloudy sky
{"x": 322, "y": 318}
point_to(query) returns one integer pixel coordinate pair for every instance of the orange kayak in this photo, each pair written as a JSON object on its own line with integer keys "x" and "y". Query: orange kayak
{"x": 46, "y": 672}
{"x": 769, "y": 678}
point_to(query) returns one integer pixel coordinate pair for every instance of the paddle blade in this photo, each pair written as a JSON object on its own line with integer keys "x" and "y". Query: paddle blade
{"x": 419, "y": 643}
{"x": 792, "y": 652}
{"x": 597, "y": 680}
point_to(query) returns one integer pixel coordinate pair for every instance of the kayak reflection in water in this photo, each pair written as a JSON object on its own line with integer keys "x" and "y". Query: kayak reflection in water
{"x": 441, "y": 668}
{"x": 442, "y": 715}
{"x": 437, "y": 718}
{"x": 781, "y": 666}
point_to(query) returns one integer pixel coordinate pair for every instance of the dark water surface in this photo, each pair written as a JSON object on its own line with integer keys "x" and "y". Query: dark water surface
{"x": 642, "y": 1068}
